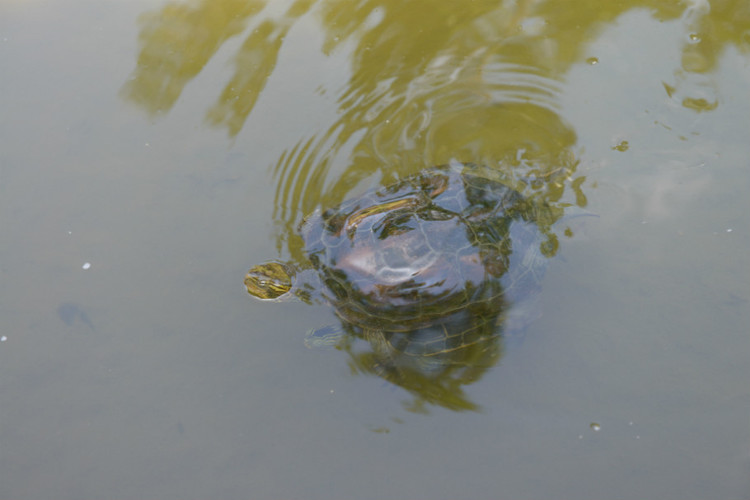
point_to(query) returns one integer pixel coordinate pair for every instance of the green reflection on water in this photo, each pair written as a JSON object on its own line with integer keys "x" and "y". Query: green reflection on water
{"x": 430, "y": 82}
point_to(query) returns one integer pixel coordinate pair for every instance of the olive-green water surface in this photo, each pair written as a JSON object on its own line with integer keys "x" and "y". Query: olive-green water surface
{"x": 152, "y": 152}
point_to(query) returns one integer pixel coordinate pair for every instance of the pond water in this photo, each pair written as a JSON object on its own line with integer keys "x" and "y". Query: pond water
{"x": 150, "y": 153}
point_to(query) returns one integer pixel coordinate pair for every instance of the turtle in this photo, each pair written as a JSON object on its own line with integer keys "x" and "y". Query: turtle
{"x": 427, "y": 267}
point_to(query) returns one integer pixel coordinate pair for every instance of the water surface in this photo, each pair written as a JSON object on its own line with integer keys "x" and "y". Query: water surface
{"x": 170, "y": 146}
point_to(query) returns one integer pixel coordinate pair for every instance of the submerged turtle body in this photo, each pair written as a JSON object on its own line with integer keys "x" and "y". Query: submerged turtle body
{"x": 431, "y": 264}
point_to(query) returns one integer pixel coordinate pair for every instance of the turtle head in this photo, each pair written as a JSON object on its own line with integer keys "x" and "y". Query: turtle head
{"x": 269, "y": 281}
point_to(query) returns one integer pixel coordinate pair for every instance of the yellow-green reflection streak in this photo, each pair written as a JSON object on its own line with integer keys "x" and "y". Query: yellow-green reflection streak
{"x": 176, "y": 42}
{"x": 255, "y": 62}
{"x": 397, "y": 40}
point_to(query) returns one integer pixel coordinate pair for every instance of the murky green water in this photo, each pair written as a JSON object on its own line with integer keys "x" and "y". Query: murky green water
{"x": 150, "y": 153}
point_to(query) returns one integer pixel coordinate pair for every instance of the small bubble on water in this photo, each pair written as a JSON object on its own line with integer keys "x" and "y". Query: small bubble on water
{"x": 729, "y": 230}
{"x": 694, "y": 38}
{"x": 3, "y": 338}
{"x": 593, "y": 61}
{"x": 595, "y": 427}
{"x": 86, "y": 266}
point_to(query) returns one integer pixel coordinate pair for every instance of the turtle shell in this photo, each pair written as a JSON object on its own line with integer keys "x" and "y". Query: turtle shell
{"x": 452, "y": 241}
